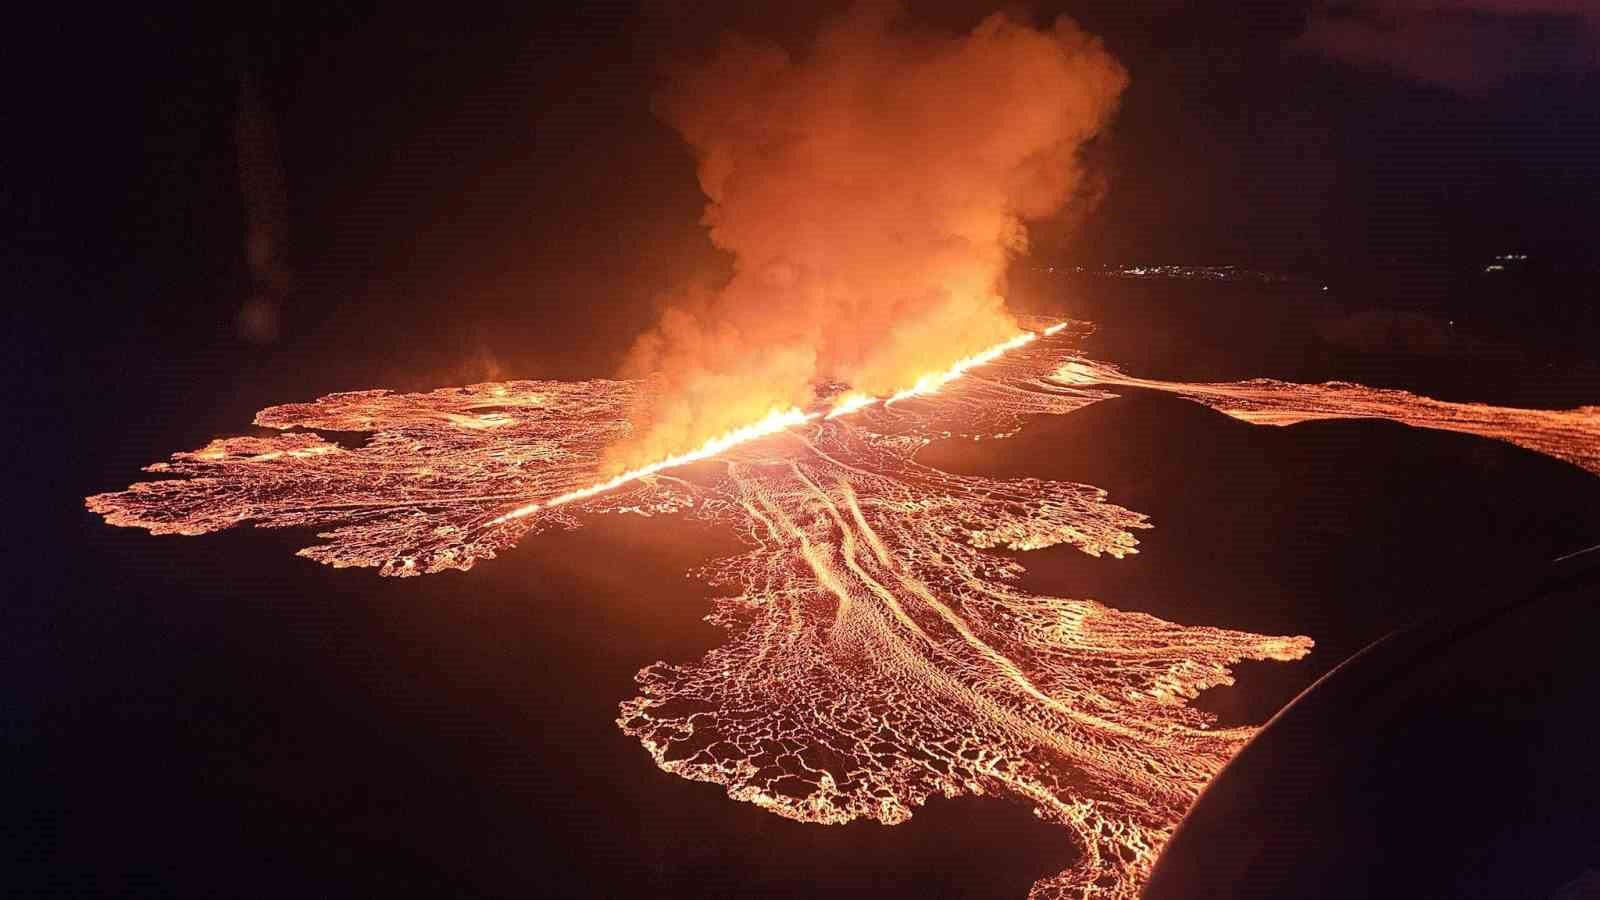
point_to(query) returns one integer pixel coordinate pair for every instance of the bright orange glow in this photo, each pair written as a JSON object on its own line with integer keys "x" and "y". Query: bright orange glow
{"x": 776, "y": 421}
{"x": 851, "y": 402}
{"x": 1572, "y": 435}
{"x": 877, "y": 654}
{"x": 924, "y": 162}
{"x": 933, "y": 381}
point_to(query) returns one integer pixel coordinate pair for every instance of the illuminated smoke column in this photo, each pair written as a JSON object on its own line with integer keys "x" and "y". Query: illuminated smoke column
{"x": 871, "y": 189}
{"x": 877, "y": 653}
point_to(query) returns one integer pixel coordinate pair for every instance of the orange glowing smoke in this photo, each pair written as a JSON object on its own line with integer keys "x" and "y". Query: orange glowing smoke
{"x": 930, "y": 384}
{"x": 774, "y": 422}
{"x": 871, "y": 189}
{"x": 877, "y": 653}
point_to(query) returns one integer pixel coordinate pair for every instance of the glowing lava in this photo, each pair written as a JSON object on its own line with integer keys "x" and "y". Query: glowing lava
{"x": 877, "y": 653}
{"x": 775, "y": 421}
{"x": 931, "y": 383}
{"x": 1571, "y": 435}
{"x": 851, "y": 402}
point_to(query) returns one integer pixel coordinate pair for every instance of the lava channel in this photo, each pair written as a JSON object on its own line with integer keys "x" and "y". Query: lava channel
{"x": 877, "y": 652}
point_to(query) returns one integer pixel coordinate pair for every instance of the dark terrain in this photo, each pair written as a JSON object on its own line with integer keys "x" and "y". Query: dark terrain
{"x": 189, "y": 717}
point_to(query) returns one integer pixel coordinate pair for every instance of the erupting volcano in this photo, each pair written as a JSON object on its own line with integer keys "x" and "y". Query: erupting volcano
{"x": 870, "y": 191}
{"x": 877, "y": 653}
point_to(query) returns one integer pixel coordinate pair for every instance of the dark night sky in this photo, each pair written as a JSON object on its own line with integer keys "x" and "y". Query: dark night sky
{"x": 496, "y": 176}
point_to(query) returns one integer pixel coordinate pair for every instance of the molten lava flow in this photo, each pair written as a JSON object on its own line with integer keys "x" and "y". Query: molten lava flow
{"x": 1571, "y": 435}
{"x": 877, "y": 653}
{"x": 776, "y": 421}
{"x": 930, "y": 384}
{"x": 850, "y": 403}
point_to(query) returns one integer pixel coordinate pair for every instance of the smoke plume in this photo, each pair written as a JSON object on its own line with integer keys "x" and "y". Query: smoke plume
{"x": 871, "y": 190}
{"x": 265, "y": 205}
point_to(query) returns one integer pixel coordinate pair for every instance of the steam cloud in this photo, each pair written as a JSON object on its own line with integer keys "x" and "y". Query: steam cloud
{"x": 871, "y": 190}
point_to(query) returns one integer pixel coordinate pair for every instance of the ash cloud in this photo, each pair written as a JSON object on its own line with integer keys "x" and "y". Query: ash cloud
{"x": 871, "y": 190}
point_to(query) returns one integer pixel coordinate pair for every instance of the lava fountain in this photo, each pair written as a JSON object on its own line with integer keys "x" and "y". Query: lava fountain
{"x": 877, "y": 653}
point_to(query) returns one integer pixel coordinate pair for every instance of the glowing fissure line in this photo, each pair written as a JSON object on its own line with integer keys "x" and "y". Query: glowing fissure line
{"x": 782, "y": 420}
{"x": 851, "y": 402}
{"x": 935, "y": 672}
{"x": 878, "y": 652}
{"x": 776, "y": 421}
{"x": 930, "y": 384}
